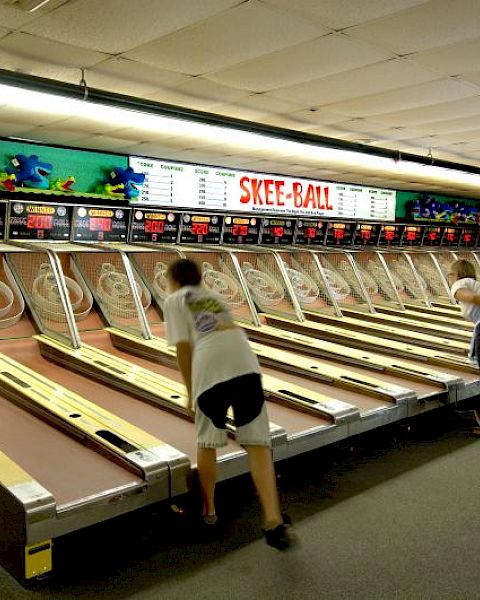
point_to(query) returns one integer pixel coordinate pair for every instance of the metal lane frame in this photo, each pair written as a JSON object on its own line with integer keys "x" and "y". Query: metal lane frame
{"x": 62, "y": 288}
{"x": 431, "y": 254}
{"x": 110, "y": 247}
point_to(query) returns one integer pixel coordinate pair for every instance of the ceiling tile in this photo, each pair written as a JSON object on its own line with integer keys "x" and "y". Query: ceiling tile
{"x": 13, "y": 62}
{"x": 30, "y": 47}
{"x": 129, "y": 77}
{"x": 338, "y": 14}
{"x": 103, "y": 142}
{"x": 115, "y": 26}
{"x": 198, "y": 93}
{"x": 464, "y": 136}
{"x": 453, "y": 59}
{"x": 472, "y": 77}
{"x": 372, "y": 79}
{"x": 31, "y": 117}
{"x": 247, "y": 31}
{"x": 436, "y": 112}
{"x": 12, "y": 128}
{"x": 314, "y": 117}
{"x": 449, "y": 126}
{"x": 53, "y": 136}
{"x": 286, "y": 122}
{"x": 429, "y": 25}
{"x": 156, "y": 150}
{"x": 410, "y": 97}
{"x": 263, "y": 103}
{"x": 306, "y": 61}
{"x": 83, "y": 125}
{"x": 13, "y": 17}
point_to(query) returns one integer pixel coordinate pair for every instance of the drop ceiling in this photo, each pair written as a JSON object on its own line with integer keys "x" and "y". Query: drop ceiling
{"x": 397, "y": 74}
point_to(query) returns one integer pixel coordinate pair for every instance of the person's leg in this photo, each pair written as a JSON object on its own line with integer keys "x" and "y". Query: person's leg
{"x": 263, "y": 475}
{"x": 207, "y": 475}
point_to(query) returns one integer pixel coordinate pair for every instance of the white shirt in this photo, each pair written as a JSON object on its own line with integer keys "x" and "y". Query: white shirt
{"x": 470, "y": 312}
{"x": 198, "y": 316}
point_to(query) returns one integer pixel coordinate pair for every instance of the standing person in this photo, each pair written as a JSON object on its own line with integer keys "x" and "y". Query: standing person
{"x": 466, "y": 290}
{"x": 220, "y": 371}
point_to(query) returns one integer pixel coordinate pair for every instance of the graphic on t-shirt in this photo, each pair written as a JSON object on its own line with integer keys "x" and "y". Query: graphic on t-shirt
{"x": 208, "y": 313}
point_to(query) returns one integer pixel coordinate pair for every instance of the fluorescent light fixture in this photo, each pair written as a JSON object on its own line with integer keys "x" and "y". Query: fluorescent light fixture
{"x": 229, "y": 140}
{"x": 36, "y": 5}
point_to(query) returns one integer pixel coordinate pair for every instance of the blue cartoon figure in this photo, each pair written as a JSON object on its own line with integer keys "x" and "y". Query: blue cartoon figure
{"x": 447, "y": 212}
{"x": 30, "y": 171}
{"x": 127, "y": 181}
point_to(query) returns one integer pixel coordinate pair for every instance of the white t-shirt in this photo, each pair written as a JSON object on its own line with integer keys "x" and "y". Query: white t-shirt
{"x": 198, "y": 316}
{"x": 470, "y": 312}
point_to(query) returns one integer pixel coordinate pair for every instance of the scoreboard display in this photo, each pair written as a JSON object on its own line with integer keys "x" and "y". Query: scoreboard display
{"x": 239, "y": 229}
{"x": 30, "y": 221}
{"x": 469, "y": 237}
{"x": 154, "y": 226}
{"x": 277, "y": 232}
{"x": 340, "y": 234}
{"x": 366, "y": 234}
{"x": 390, "y": 235}
{"x": 412, "y": 235}
{"x": 200, "y": 228}
{"x": 310, "y": 233}
{"x": 451, "y": 236}
{"x": 99, "y": 224}
{"x": 432, "y": 235}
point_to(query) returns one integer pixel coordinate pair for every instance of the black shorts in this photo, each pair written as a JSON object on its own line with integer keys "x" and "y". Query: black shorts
{"x": 244, "y": 396}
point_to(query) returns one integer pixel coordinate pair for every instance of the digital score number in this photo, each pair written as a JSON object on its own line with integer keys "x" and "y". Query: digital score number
{"x": 239, "y": 230}
{"x": 310, "y": 233}
{"x": 366, "y": 234}
{"x": 412, "y": 235}
{"x": 390, "y": 235}
{"x": 451, "y": 236}
{"x": 100, "y": 224}
{"x": 432, "y": 236}
{"x": 340, "y": 234}
{"x": 277, "y": 232}
{"x": 39, "y": 222}
{"x": 469, "y": 237}
{"x": 200, "y": 228}
{"x": 154, "y": 226}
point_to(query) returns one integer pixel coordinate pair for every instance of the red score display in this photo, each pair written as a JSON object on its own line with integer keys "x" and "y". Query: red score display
{"x": 39, "y": 221}
{"x": 200, "y": 228}
{"x": 100, "y": 224}
{"x": 240, "y": 230}
{"x": 154, "y": 226}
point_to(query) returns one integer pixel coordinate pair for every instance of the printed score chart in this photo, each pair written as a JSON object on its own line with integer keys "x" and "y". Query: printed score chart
{"x": 175, "y": 184}
{"x": 178, "y": 185}
{"x": 357, "y": 202}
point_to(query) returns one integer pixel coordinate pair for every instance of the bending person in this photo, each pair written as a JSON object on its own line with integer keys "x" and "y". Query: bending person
{"x": 466, "y": 290}
{"x": 220, "y": 371}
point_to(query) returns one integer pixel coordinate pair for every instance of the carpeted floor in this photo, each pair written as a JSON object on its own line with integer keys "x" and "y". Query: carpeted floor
{"x": 392, "y": 515}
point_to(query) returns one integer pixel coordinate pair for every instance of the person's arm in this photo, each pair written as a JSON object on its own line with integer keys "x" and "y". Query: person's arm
{"x": 184, "y": 360}
{"x": 467, "y": 296}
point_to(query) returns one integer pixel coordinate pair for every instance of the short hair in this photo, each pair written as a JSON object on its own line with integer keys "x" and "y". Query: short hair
{"x": 184, "y": 272}
{"x": 463, "y": 269}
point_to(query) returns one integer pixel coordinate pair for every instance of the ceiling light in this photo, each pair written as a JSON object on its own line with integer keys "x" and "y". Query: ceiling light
{"x": 234, "y": 140}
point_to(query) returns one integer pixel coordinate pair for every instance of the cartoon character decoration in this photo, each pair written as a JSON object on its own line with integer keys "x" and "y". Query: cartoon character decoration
{"x": 428, "y": 207}
{"x": 62, "y": 185}
{"x": 31, "y": 172}
{"x": 123, "y": 183}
